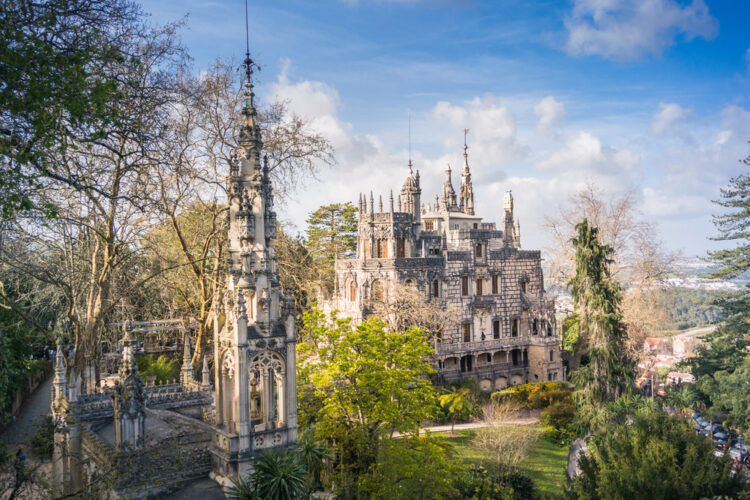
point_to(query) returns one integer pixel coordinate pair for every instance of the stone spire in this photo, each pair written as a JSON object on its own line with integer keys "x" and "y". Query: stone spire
{"x": 60, "y": 382}
{"x": 391, "y": 200}
{"x": 411, "y": 193}
{"x": 518, "y": 233}
{"x": 509, "y": 230}
{"x": 466, "y": 190}
{"x": 449, "y": 195}
{"x": 186, "y": 373}
{"x": 205, "y": 374}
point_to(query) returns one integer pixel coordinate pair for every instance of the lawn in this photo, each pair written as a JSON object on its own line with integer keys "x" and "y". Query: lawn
{"x": 545, "y": 464}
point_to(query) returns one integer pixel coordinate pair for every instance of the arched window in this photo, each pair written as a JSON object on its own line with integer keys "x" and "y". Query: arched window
{"x": 552, "y": 355}
{"x": 435, "y": 288}
{"x": 352, "y": 291}
{"x": 478, "y": 250}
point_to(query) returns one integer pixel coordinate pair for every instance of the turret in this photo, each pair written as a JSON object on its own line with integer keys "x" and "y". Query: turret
{"x": 509, "y": 230}
{"x": 186, "y": 373}
{"x": 466, "y": 190}
{"x": 60, "y": 382}
{"x": 449, "y": 195}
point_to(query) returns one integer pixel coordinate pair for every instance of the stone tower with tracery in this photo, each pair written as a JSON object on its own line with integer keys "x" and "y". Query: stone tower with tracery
{"x": 254, "y": 330}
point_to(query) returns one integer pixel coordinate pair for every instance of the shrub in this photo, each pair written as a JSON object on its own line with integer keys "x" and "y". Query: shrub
{"x": 476, "y": 483}
{"x": 560, "y": 414}
{"x": 534, "y": 396}
{"x": 163, "y": 368}
{"x": 42, "y": 443}
{"x": 522, "y": 485}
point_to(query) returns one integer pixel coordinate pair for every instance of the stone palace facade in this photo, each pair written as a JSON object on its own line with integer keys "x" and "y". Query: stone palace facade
{"x": 504, "y": 330}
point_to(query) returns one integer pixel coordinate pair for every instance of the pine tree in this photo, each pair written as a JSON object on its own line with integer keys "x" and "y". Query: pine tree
{"x": 597, "y": 297}
{"x": 331, "y": 233}
{"x": 725, "y": 350}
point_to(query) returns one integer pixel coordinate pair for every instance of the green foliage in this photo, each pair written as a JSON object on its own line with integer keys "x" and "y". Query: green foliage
{"x": 476, "y": 483}
{"x": 15, "y": 358}
{"x": 42, "y": 443}
{"x": 277, "y": 475}
{"x": 360, "y": 384}
{"x": 730, "y": 393}
{"x": 687, "y": 308}
{"x": 560, "y": 414}
{"x": 411, "y": 467}
{"x": 331, "y": 232}
{"x": 639, "y": 451}
{"x": 522, "y": 485}
{"x": 55, "y": 85}
{"x": 570, "y": 332}
{"x": 535, "y": 395}
{"x": 312, "y": 455}
{"x": 163, "y": 368}
{"x": 597, "y": 297}
{"x": 457, "y": 404}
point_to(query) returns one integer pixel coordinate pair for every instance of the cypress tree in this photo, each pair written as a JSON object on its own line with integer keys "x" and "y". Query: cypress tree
{"x": 597, "y": 296}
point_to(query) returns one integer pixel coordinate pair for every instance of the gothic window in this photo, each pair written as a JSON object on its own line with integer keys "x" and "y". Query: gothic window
{"x": 495, "y": 286}
{"x": 382, "y": 248}
{"x": 479, "y": 286}
{"x": 496, "y": 329}
{"x": 352, "y": 291}
{"x": 478, "y": 250}
{"x": 552, "y": 355}
{"x": 367, "y": 249}
{"x": 514, "y": 328}
{"x": 535, "y": 327}
{"x": 476, "y": 225}
{"x": 523, "y": 286}
{"x": 467, "y": 332}
{"x": 464, "y": 285}
{"x": 435, "y": 288}
{"x": 428, "y": 225}
{"x": 400, "y": 248}
{"x": 378, "y": 293}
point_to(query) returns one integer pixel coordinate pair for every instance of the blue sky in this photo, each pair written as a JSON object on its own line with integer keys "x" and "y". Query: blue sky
{"x": 646, "y": 96}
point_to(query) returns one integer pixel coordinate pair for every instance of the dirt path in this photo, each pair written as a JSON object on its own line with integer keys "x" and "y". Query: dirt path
{"x": 474, "y": 425}
{"x": 31, "y": 416}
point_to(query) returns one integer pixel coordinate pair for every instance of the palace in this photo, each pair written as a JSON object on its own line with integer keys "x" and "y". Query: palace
{"x": 504, "y": 332}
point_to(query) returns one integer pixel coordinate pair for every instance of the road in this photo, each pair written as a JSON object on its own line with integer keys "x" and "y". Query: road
{"x": 31, "y": 415}
{"x": 697, "y": 331}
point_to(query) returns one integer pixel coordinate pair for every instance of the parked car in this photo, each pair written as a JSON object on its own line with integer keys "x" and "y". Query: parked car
{"x": 738, "y": 453}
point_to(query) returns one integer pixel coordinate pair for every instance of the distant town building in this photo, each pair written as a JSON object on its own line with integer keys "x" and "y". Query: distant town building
{"x": 504, "y": 332}
{"x": 654, "y": 345}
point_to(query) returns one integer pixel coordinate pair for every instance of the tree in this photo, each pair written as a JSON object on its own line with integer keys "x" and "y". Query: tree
{"x": 277, "y": 475}
{"x": 56, "y": 91}
{"x": 722, "y": 359}
{"x": 640, "y": 261}
{"x": 645, "y": 453}
{"x": 406, "y": 306}
{"x": 509, "y": 444}
{"x": 331, "y": 232}
{"x": 412, "y": 468}
{"x": 297, "y": 269}
{"x": 457, "y": 403}
{"x": 367, "y": 382}
{"x": 597, "y": 297}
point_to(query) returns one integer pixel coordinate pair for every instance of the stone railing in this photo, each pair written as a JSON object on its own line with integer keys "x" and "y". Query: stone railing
{"x": 98, "y": 406}
{"x": 484, "y": 345}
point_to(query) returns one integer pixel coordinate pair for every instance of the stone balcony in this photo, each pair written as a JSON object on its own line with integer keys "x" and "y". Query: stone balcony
{"x": 500, "y": 344}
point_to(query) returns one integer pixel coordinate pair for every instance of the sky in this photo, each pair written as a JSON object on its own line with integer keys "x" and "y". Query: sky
{"x": 647, "y": 97}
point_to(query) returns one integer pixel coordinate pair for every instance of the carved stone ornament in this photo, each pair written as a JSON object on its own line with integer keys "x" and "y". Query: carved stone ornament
{"x": 228, "y": 366}
{"x": 268, "y": 359}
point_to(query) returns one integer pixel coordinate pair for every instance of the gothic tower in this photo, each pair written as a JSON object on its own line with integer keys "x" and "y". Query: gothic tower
{"x": 449, "y": 195}
{"x": 254, "y": 332}
{"x": 467, "y": 192}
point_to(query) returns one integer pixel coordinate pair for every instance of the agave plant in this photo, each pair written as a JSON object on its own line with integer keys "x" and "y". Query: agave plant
{"x": 279, "y": 475}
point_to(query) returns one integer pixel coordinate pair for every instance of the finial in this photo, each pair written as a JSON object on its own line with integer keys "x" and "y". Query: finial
{"x": 248, "y": 62}
{"x": 380, "y": 203}
{"x": 391, "y": 200}
{"x": 372, "y": 203}
{"x": 399, "y": 203}
{"x": 409, "y": 142}
{"x": 466, "y": 132}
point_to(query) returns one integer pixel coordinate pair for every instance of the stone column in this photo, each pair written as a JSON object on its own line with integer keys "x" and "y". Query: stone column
{"x": 267, "y": 398}
{"x": 281, "y": 397}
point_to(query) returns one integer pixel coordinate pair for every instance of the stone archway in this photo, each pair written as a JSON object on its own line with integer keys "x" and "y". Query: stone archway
{"x": 267, "y": 374}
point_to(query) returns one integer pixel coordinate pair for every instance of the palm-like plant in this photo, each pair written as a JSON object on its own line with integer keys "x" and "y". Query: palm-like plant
{"x": 456, "y": 403}
{"x": 312, "y": 454}
{"x": 279, "y": 475}
{"x": 242, "y": 489}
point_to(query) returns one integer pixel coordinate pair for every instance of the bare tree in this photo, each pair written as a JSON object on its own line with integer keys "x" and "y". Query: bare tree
{"x": 641, "y": 263}
{"x": 507, "y": 444}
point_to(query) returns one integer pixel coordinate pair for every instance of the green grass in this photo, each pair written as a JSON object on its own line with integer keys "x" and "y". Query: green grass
{"x": 545, "y": 464}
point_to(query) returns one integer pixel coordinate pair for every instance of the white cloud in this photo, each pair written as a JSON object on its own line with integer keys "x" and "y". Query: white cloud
{"x": 492, "y": 126}
{"x": 549, "y": 111}
{"x": 668, "y": 115}
{"x": 630, "y": 29}
{"x": 584, "y": 153}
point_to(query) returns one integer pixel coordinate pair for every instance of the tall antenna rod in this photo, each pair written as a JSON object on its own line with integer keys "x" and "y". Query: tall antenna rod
{"x": 409, "y": 140}
{"x": 248, "y": 61}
